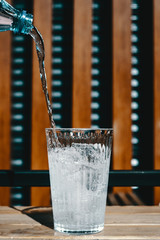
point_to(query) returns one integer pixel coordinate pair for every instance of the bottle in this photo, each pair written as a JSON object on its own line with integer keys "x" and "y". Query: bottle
{"x": 14, "y": 20}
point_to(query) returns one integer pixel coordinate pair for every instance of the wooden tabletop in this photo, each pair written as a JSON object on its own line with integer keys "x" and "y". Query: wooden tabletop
{"x": 127, "y": 222}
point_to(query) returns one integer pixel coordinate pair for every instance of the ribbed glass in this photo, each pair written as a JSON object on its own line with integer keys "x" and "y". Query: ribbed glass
{"x": 79, "y": 170}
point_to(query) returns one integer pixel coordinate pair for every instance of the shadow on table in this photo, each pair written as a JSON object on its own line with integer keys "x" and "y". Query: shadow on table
{"x": 43, "y": 215}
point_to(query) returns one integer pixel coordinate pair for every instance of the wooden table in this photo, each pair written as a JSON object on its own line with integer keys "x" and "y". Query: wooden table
{"x": 127, "y": 222}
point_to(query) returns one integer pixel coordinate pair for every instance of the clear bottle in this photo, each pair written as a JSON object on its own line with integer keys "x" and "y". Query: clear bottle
{"x": 14, "y": 20}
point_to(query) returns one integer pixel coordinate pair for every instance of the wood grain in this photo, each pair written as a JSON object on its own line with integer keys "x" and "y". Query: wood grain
{"x": 122, "y": 149}
{"x": 126, "y": 222}
{"x": 156, "y": 94}
{"x": 40, "y": 121}
{"x": 81, "y": 110}
{"x": 5, "y": 105}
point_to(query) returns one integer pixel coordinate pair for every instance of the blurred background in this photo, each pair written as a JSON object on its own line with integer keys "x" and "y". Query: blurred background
{"x": 102, "y": 65}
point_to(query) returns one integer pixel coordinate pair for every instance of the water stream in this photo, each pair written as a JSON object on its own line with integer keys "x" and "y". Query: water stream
{"x": 34, "y": 33}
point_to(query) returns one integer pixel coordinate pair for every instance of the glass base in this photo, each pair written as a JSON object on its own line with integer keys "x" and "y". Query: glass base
{"x": 59, "y": 228}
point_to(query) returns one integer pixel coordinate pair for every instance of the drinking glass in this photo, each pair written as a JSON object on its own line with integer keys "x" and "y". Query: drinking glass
{"x": 79, "y": 161}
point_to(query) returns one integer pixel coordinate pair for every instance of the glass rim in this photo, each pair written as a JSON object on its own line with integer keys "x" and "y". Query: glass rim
{"x": 83, "y": 129}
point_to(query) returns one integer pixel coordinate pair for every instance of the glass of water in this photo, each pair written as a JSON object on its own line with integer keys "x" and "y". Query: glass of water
{"x": 79, "y": 161}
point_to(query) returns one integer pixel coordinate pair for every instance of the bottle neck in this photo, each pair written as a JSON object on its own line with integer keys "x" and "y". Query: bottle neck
{"x": 14, "y": 20}
{"x": 23, "y": 24}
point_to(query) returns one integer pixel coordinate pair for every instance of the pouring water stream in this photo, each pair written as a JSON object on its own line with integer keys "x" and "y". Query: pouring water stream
{"x": 34, "y": 33}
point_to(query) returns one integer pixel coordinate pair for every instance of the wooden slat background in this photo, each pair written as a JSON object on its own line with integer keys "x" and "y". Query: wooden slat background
{"x": 5, "y": 105}
{"x": 5, "y": 72}
{"x": 122, "y": 149}
{"x": 81, "y": 111}
{"x": 157, "y": 93}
